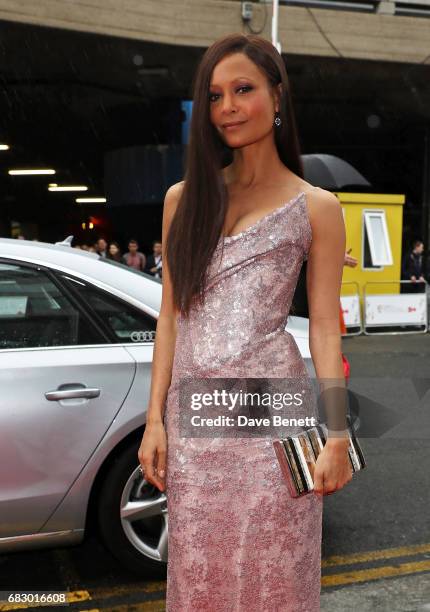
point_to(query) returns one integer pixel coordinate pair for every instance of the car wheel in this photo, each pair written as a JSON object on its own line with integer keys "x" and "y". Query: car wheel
{"x": 132, "y": 517}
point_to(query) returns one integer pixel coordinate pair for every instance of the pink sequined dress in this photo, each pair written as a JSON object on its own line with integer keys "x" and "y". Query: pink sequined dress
{"x": 237, "y": 540}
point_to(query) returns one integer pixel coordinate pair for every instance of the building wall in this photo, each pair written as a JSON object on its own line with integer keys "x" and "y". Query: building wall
{"x": 302, "y": 30}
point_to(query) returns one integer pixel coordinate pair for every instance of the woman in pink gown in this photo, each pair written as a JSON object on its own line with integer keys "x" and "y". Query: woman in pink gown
{"x": 237, "y": 540}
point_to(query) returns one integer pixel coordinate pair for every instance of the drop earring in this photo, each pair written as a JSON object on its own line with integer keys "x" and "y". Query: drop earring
{"x": 278, "y": 120}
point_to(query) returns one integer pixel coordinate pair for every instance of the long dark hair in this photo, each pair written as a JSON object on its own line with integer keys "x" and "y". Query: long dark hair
{"x": 199, "y": 218}
{"x": 118, "y": 256}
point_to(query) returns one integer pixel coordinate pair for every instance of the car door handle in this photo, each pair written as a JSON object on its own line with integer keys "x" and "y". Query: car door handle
{"x": 62, "y": 394}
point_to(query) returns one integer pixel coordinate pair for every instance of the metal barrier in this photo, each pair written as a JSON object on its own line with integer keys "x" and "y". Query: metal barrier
{"x": 352, "y": 311}
{"x": 395, "y": 310}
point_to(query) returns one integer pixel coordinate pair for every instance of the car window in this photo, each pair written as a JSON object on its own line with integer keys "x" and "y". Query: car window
{"x": 35, "y": 313}
{"x": 129, "y": 324}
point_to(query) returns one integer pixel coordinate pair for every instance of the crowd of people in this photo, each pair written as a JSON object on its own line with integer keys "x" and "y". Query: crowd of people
{"x": 414, "y": 264}
{"x": 151, "y": 264}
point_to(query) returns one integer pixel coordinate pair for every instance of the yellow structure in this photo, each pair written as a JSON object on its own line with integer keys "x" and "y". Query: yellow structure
{"x": 374, "y": 224}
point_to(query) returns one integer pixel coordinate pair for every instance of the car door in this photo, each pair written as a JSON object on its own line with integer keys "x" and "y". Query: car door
{"x": 62, "y": 382}
{"x": 131, "y": 327}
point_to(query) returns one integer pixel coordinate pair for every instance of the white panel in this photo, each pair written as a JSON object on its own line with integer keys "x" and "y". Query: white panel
{"x": 379, "y": 240}
{"x": 402, "y": 309}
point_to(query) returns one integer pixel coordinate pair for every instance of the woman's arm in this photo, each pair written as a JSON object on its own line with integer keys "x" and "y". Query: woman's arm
{"x": 152, "y": 451}
{"x": 323, "y": 282}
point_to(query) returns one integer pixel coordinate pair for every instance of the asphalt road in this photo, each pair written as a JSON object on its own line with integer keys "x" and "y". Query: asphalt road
{"x": 376, "y": 531}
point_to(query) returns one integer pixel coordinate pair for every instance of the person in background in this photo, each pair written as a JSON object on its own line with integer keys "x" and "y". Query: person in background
{"x": 414, "y": 268}
{"x": 101, "y": 247}
{"x": 350, "y": 260}
{"x": 114, "y": 252}
{"x": 154, "y": 264}
{"x": 134, "y": 258}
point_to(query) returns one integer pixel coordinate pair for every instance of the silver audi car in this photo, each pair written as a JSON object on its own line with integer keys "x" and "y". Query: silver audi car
{"x": 76, "y": 344}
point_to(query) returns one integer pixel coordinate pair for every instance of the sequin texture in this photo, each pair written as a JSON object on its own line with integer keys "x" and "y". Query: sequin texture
{"x": 237, "y": 540}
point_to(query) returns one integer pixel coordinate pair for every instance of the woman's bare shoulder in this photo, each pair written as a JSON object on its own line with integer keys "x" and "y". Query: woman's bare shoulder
{"x": 173, "y": 194}
{"x": 322, "y": 197}
{"x": 171, "y": 200}
{"x": 323, "y": 205}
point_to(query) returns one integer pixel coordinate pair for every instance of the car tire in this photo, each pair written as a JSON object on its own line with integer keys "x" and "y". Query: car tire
{"x": 133, "y": 543}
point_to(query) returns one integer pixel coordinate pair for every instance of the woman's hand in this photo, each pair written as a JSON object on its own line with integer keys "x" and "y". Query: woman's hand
{"x": 152, "y": 454}
{"x": 333, "y": 468}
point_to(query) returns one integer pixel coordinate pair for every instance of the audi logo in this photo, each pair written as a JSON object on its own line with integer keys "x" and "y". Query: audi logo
{"x": 142, "y": 336}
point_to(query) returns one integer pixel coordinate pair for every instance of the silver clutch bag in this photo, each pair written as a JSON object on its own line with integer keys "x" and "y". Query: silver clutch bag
{"x": 297, "y": 456}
